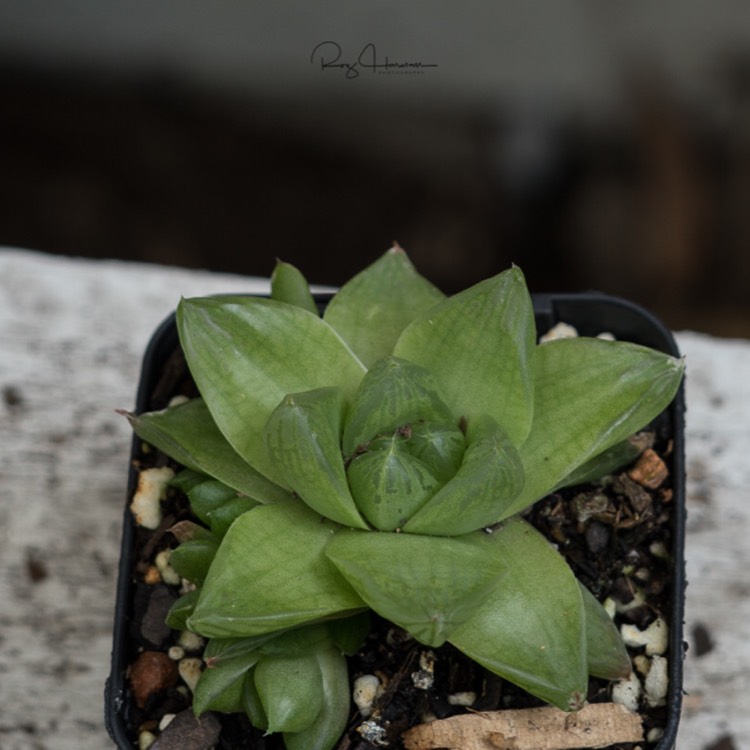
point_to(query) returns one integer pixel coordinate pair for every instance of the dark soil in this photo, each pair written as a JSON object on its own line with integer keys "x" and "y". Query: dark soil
{"x": 609, "y": 533}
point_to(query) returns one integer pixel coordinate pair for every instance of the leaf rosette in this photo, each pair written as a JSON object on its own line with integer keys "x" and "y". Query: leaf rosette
{"x": 377, "y": 458}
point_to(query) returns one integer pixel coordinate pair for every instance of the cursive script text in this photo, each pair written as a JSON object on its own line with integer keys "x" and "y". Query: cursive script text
{"x": 329, "y": 55}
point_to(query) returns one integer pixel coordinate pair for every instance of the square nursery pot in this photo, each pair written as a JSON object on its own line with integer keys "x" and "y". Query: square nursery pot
{"x": 140, "y": 607}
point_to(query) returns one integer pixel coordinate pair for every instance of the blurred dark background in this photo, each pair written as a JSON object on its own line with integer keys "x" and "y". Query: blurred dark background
{"x": 597, "y": 145}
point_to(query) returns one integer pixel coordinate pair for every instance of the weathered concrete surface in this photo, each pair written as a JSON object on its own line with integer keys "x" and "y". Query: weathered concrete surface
{"x": 72, "y": 333}
{"x": 718, "y": 542}
{"x": 71, "y": 337}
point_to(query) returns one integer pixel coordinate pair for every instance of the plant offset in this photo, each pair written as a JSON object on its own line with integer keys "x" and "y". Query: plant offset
{"x": 377, "y": 459}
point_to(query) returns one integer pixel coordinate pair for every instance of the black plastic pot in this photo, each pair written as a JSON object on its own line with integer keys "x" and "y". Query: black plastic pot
{"x": 590, "y": 313}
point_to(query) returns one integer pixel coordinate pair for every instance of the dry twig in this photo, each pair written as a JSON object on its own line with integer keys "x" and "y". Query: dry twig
{"x": 547, "y": 728}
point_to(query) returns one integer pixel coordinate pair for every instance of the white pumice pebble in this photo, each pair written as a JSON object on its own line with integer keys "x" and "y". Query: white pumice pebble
{"x": 424, "y": 678}
{"x": 606, "y": 336}
{"x": 146, "y": 740}
{"x": 146, "y": 505}
{"x": 166, "y": 720}
{"x": 654, "y": 637}
{"x": 176, "y": 653}
{"x": 187, "y": 586}
{"x": 373, "y": 732}
{"x": 178, "y": 400}
{"x": 190, "y": 671}
{"x": 642, "y": 664}
{"x": 627, "y": 692}
{"x": 610, "y": 607}
{"x": 464, "y": 698}
{"x": 190, "y": 641}
{"x": 364, "y": 692}
{"x": 656, "y": 684}
{"x": 427, "y": 661}
{"x": 654, "y": 734}
{"x": 659, "y": 549}
{"x": 559, "y": 331}
{"x": 168, "y": 574}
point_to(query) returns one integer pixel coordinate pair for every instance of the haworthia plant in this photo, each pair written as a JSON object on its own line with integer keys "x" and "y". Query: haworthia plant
{"x": 377, "y": 458}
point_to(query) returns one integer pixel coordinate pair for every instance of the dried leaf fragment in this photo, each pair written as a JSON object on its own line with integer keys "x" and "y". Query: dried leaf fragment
{"x": 547, "y": 728}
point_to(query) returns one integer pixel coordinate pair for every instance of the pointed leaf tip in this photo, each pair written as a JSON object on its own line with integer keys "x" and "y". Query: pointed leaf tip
{"x": 289, "y": 285}
{"x": 480, "y": 345}
{"x": 303, "y": 438}
{"x": 429, "y": 586}
{"x": 606, "y": 654}
{"x": 188, "y": 434}
{"x": 530, "y": 630}
{"x": 291, "y": 691}
{"x": 626, "y": 386}
{"x": 129, "y": 415}
{"x": 373, "y": 307}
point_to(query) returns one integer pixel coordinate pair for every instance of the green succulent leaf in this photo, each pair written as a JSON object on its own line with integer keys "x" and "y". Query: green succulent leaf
{"x": 229, "y": 682}
{"x": 246, "y": 354}
{"x": 221, "y": 518}
{"x": 439, "y": 446}
{"x": 291, "y": 691}
{"x": 189, "y": 435}
{"x": 220, "y": 650}
{"x": 389, "y": 484}
{"x": 480, "y": 345}
{"x": 427, "y": 585}
{"x": 181, "y": 610}
{"x": 290, "y": 286}
{"x": 303, "y": 439}
{"x": 252, "y": 703}
{"x": 298, "y": 641}
{"x": 489, "y": 479}
{"x": 325, "y": 732}
{"x": 209, "y": 495}
{"x": 349, "y": 633}
{"x": 394, "y": 393}
{"x": 626, "y": 386}
{"x": 373, "y": 307}
{"x": 193, "y": 558}
{"x": 530, "y": 629}
{"x": 606, "y": 654}
{"x": 186, "y": 479}
{"x": 271, "y": 572}
{"x": 220, "y": 687}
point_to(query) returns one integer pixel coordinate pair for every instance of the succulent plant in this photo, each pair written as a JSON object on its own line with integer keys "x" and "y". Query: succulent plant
{"x": 377, "y": 459}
